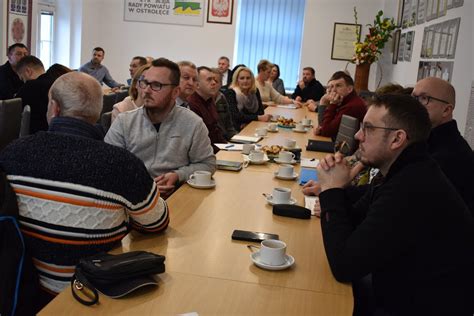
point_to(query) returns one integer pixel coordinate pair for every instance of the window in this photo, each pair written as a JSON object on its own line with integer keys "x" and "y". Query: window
{"x": 46, "y": 35}
{"x": 273, "y": 30}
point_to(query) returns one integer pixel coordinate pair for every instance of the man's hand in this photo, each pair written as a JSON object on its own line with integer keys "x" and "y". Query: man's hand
{"x": 298, "y": 99}
{"x": 167, "y": 183}
{"x": 312, "y": 105}
{"x": 312, "y": 188}
{"x": 301, "y": 84}
{"x": 331, "y": 98}
{"x": 335, "y": 172}
{"x": 317, "y": 130}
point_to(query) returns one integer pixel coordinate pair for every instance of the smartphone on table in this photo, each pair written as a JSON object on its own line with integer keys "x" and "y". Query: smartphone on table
{"x": 252, "y": 236}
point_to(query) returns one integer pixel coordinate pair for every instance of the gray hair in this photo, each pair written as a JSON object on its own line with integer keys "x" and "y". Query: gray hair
{"x": 78, "y": 95}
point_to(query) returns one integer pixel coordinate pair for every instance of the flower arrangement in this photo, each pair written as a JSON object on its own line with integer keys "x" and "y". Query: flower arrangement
{"x": 370, "y": 49}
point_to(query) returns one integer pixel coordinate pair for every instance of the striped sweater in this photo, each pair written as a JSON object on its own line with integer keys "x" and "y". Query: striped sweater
{"x": 78, "y": 196}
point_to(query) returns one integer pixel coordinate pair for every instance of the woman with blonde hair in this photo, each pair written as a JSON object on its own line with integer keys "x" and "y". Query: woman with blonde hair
{"x": 244, "y": 99}
{"x": 134, "y": 99}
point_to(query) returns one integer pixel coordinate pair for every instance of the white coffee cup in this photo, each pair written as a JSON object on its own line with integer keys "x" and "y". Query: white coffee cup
{"x": 256, "y": 155}
{"x": 275, "y": 117}
{"x": 247, "y": 148}
{"x": 286, "y": 156}
{"x": 290, "y": 143}
{"x": 201, "y": 177}
{"x": 299, "y": 127}
{"x": 272, "y": 127}
{"x": 306, "y": 121}
{"x": 281, "y": 195}
{"x": 262, "y": 131}
{"x": 286, "y": 170}
{"x": 272, "y": 252}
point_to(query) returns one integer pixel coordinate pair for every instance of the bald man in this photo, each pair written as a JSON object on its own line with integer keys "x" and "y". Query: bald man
{"x": 445, "y": 144}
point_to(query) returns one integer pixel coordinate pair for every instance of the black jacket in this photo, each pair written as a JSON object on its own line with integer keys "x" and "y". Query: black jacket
{"x": 10, "y": 83}
{"x": 314, "y": 91}
{"x": 456, "y": 159}
{"x": 414, "y": 234}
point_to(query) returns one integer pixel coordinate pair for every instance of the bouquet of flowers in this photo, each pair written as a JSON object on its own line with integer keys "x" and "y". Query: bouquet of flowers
{"x": 370, "y": 49}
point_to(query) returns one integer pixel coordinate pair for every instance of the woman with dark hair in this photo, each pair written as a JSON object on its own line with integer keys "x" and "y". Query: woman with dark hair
{"x": 276, "y": 81}
{"x": 244, "y": 99}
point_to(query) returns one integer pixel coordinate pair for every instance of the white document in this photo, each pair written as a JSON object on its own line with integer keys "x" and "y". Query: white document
{"x": 230, "y": 147}
{"x": 245, "y": 139}
{"x": 310, "y": 201}
{"x": 309, "y": 162}
{"x": 287, "y": 106}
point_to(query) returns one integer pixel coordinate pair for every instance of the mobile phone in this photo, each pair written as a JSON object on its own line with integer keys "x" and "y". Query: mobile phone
{"x": 229, "y": 165}
{"x": 252, "y": 236}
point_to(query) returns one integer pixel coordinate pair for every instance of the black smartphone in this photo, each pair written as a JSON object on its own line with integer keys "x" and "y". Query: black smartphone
{"x": 252, "y": 236}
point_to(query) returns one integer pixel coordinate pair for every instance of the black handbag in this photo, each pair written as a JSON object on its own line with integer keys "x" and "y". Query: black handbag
{"x": 114, "y": 275}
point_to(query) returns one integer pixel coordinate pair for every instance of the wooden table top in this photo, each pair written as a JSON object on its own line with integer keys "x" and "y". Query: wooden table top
{"x": 203, "y": 262}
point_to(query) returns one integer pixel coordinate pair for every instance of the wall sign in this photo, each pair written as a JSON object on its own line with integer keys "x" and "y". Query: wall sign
{"x": 185, "y": 12}
{"x": 19, "y": 22}
{"x": 343, "y": 40}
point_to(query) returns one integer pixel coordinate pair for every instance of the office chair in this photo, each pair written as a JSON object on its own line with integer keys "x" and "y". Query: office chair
{"x": 25, "y": 121}
{"x": 347, "y": 129}
{"x": 321, "y": 109}
{"x": 10, "y": 121}
{"x": 106, "y": 120}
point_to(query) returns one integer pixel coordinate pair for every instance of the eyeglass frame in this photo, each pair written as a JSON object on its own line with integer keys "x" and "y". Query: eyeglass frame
{"x": 428, "y": 98}
{"x": 364, "y": 127}
{"x": 149, "y": 84}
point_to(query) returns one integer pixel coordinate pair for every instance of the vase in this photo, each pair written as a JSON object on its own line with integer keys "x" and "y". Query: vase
{"x": 361, "y": 77}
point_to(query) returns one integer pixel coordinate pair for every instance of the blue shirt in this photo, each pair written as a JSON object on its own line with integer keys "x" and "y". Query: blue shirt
{"x": 99, "y": 72}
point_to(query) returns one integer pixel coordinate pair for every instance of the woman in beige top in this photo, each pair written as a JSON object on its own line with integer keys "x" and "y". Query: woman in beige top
{"x": 134, "y": 100}
{"x": 269, "y": 95}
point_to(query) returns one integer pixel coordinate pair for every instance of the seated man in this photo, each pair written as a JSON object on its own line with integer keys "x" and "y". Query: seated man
{"x": 171, "y": 140}
{"x": 77, "y": 195}
{"x": 187, "y": 82}
{"x": 202, "y": 103}
{"x": 412, "y": 231}
{"x": 10, "y": 82}
{"x": 340, "y": 99}
{"x": 224, "y": 120}
{"x": 446, "y": 145}
{"x": 309, "y": 89}
{"x": 99, "y": 71}
{"x": 136, "y": 63}
{"x": 223, "y": 65}
{"x": 35, "y": 90}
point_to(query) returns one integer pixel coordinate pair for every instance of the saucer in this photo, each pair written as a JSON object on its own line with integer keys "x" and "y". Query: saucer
{"x": 259, "y": 162}
{"x": 255, "y": 256}
{"x": 269, "y": 199}
{"x": 277, "y": 160}
{"x": 293, "y": 177}
{"x": 304, "y": 130}
{"x": 202, "y": 186}
{"x": 291, "y": 148}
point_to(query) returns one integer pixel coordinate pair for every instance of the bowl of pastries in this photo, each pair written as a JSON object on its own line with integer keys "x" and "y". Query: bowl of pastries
{"x": 272, "y": 151}
{"x": 286, "y": 122}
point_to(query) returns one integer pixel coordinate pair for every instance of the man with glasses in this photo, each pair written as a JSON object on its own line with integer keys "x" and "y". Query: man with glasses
{"x": 412, "y": 231}
{"x": 445, "y": 144}
{"x": 340, "y": 99}
{"x": 171, "y": 140}
{"x": 10, "y": 82}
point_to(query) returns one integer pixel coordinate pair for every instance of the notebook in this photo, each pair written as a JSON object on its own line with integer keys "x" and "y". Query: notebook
{"x": 245, "y": 139}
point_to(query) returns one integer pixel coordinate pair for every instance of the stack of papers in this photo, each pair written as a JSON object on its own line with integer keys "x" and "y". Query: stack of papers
{"x": 287, "y": 106}
{"x": 230, "y": 147}
{"x": 309, "y": 163}
{"x": 245, "y": 139}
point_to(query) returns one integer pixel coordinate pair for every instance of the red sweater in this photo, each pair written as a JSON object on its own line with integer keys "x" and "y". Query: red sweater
{"x": 351, "y": 105}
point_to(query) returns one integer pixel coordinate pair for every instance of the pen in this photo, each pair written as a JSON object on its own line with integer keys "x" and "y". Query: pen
{"x": 313, "y": 159}
{"x": 229, "y": 146}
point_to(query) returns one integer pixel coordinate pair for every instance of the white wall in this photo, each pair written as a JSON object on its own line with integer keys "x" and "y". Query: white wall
{"x": 405, "y": 73}
{"x": 318, "y": 33}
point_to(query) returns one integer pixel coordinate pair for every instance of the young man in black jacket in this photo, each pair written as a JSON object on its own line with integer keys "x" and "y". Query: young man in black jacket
{"x": 412, "y": 231}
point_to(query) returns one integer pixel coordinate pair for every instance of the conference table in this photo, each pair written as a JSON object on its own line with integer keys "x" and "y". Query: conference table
{"x": 208, "y": 273}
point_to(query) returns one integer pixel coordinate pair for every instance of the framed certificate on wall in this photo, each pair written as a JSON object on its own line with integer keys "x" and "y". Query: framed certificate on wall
{"x": 19, "y": 22}
{"x": 343, "y": 39}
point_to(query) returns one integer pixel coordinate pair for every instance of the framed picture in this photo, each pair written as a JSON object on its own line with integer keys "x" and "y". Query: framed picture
{"x": 413, "y": 13}
{"x": 420, "y": 18}
{"x": 410, "y": 38}
{"x": 401, "y": 47}
{"x": 431, "y": 10}
{"x": 453, "y": 37}
{"x": 220, "y": 11}
{"x": 443, "y": 46}
{"x": 406, "y": 13}
{"x": 19, "y": 22}
{"x": 396, "y": 43}
{"x": 436, "y": 40}
{"x": 343, "y": 39}
{"x": 449, "y": 4}
{"x": 442, "y": 7}
{"x": 400, "y": 12}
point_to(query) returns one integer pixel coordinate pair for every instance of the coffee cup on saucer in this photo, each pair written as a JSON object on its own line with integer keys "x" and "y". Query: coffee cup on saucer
{"x": 286, "y": 156}
{"x": 201, "y": 178}
{"x": 286, "y": 171}
{"x": 306, "y": 122}
{"x": 290, "y": 143}
{"x": 275, "y": 117}
{"x": 256, "y": 155}
{"x": 281, "y": 195}
{"x": 273, "y": 252}
{"x": 272, "y": 127}
{"x": 262, "y": 131}
{"x": 247, "y": 148}
{"x": 299, "y": 127}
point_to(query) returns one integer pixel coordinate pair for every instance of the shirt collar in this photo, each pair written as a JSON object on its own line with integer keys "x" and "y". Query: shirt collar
{"x": 75, "y": 127}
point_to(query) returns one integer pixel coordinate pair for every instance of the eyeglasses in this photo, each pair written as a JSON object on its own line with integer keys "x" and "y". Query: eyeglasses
{"x": 154, "y": 85}
{"x": 425, "y": 99}
{"x": 364, "y": 127}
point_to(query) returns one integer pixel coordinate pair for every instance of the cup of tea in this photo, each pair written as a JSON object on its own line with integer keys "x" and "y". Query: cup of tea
{"x": 306, "y": 121}
{"x": 273, "y": 252}
{"x": 256, "y": 155}
{"x": 201, "y": 177}
{"x": 290, "y": 143}
{"x": 262, "y": 131}
{"x": 281, "y": 195}
{"x": 299, "y": 127}
{"x": 247, "y": 148}
{"x": 286, "y": 171}
{"x": 272, "y": 127}
{"x": 286, "y": 156}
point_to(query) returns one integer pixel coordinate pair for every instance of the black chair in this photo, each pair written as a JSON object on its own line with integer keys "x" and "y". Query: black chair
{"x": 25, "y": 121}
{"x": 321, "y": 109}
{"x": 10, "y": 121}
{"x": 109, "y": 101}
{"x": 106, "y": 121}
{"x": 119, "y": 96}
